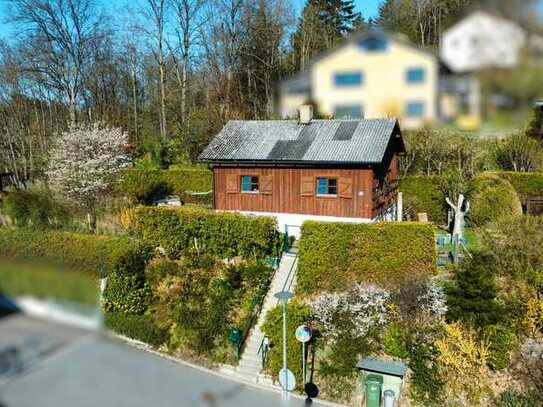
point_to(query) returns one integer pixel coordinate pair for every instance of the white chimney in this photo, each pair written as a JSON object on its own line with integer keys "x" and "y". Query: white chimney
{"x": 306, "y": 114}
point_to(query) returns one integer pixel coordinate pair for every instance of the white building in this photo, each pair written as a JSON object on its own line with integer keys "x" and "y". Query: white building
{"x": 481, "y": 41}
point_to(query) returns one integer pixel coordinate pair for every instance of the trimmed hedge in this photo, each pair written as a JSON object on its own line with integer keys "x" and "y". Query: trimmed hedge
{"x": 182, "y": 230}
{"x": 423, "y": 194}
{"x": 140, "y": 327}
{"x": 492, "y": 198}
{"x": 525, "y": 183}
{"x": 335, "y": 255}
{"x": 147, "y": 184}
{"x": 94, "y": 254}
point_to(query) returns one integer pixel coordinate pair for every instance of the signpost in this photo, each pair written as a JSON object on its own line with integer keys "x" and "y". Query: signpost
{"x": 303, "y": 335}
{"x": 283, "y": 297}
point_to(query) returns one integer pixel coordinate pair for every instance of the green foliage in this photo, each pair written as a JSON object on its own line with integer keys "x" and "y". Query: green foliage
{"x": 426, "y": 382}
{"x": 492, "y": 198}
{"x": 140, "y": 327}
{"x": 501, "y": 341}
{"x": 518, "y": 152}
{"x": 215, "y": 298}
{"x": 513, "y": 398}
{"x": 145, "y": 183}
{"x": 41, "y": 281}
{"x": 298, "y": 314}
{"x": 335, "y": 255}
{"x": 94, "y": 254}
{"x": 525, "y": 183}
{"x": 472, "y": 297}
{"x": 126, "y": 292}
{"x": 394, "y": 342}
{"x": 515, "y": 248}
{"x": 180, "y": 231}
{"x": 423, "y": 194}
{"x": 36, "y": 208}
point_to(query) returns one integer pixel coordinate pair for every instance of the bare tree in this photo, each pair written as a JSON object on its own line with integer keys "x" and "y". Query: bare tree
{"x": 155, "y": 11}
{"x": 189, "y": 21}
{"x": 59, "y": 37}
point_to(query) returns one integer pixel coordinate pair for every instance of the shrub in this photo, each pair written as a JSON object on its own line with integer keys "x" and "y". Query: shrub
{"x": 127, "y": 290}
{"x": 333, "y": 256}
{"x": 37, "y": 208}
{"x": 140, "y": 327}
{"x": 462, "y": 361}
{"x": 214, "y": 296}
{"x": 492, "y": 199}
{"x": 298, "y": 314}
{"x": 472, "y": 296}
{"x": 525, "y": 183}
{"x": 423, "y": 194}
{"x": 145, "y": 183}
{"x": 95, "y": 254}
{"x": 501, "y": 341}
{"x": 180, "y": 231}
{"x": 512, "y": 398}
{"x": 515, "y": 248}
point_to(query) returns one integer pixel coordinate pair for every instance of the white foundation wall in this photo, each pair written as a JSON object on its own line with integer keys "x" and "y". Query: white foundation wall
{"x": 292, "y": 222}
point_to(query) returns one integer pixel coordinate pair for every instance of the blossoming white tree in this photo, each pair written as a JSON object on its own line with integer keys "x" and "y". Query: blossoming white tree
{"x": 84, "y": 161}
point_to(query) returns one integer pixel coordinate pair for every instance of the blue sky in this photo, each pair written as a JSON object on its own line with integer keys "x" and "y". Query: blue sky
{"x": 368, "y": 8}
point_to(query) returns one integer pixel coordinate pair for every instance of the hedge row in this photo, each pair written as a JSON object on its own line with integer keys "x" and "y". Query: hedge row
{"x": 423, "y": 194}
{"x": 181, "y": 230}
{"x": 96, "y": 255}
{"x": 140, "y": 327}
{"x": 335, "y": 255}
{"x": 145, "y": 185}
{"x": 525, "y": 183}
{"x": 491, "y": 199}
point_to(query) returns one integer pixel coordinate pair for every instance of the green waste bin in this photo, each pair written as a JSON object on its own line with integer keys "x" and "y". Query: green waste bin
{"x": 374, "y": 383}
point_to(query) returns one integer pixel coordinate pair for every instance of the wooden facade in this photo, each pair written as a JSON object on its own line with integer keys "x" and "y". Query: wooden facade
{"x": 362, "y": 192}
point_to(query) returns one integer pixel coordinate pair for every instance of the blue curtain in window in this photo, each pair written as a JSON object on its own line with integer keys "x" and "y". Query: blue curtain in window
{"x": 415, "y": 75}
{"x": 322, "y": 186}
{"x": 246, "y": 183}
{"x": 348, "y": 79}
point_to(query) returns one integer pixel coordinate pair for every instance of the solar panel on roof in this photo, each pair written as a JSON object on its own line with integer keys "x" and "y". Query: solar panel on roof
{"x": 345, "y": 130}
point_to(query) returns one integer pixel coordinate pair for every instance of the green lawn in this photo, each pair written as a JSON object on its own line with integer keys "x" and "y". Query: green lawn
{"x": 17, "y": 279}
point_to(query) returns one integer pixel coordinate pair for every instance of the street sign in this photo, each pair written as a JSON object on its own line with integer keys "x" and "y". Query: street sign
{"x": 287, "y": 380}
{"x": 303, "y": 333}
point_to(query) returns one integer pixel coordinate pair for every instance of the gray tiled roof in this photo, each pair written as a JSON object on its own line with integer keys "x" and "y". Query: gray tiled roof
{"x": 326, "y": 141}
{"x": 383, "y": 366}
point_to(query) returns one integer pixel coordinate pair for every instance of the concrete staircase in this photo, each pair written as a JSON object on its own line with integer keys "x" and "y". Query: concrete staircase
{"x": 250, "y": 364}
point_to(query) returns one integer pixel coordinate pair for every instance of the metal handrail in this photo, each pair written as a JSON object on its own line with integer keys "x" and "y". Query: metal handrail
{"x": 255, "y": 312}
{"x": 286, "y": 286}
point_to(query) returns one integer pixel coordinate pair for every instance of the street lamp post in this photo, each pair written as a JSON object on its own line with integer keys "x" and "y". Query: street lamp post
{"x": 283, "y": 297}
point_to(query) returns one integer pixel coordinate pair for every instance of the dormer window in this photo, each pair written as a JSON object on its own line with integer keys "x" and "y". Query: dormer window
{"x": 374, "y": 44}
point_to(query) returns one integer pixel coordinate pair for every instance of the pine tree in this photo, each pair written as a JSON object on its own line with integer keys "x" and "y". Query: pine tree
{"x": 472, "y": 297}
{"x": 323, "y": 24}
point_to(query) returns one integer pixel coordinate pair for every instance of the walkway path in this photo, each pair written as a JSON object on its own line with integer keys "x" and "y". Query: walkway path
{"x": 250, "y": 364}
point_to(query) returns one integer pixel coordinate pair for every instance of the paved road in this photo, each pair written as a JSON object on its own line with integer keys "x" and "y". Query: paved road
{"x": 89, "y": 370}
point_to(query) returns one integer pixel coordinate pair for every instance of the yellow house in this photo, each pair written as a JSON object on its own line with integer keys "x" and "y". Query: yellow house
{"x": 372, "y": 75}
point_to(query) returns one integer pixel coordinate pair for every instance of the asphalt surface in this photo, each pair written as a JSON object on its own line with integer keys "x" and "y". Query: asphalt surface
{"x": 79, "y": 368}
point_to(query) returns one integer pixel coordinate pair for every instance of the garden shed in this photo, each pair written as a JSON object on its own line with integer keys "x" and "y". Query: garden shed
{"x": 342, "y": 170}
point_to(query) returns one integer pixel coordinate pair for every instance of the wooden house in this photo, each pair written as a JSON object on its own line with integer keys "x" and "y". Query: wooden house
{"x": 342, "y": 170}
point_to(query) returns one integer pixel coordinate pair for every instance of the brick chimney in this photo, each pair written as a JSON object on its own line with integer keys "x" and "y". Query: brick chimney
{"x": 306, "y": 114}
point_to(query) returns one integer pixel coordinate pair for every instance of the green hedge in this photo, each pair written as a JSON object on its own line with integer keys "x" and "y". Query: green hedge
{"x": 491, "y": 199}
{"x": 525, "y": 183}
{"x": 146, "y": 184}
{"x": 181, "y": 230}
{"x": 335, "y": 255}
{"x": 298, "y": 314}
{"x": 140, "y": 327}
{"x": 94, "y": 254}
{"x": 423, "y": 194}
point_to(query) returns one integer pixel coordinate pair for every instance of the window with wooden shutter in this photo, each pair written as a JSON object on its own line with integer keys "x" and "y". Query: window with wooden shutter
{"x": 307, "y": 186}
{"x": 266, "y": 184}
{"x": 232, "y": 184}
{"x": 345, "y": 187}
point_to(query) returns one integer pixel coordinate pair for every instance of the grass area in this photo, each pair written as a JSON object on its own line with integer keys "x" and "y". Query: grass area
{"x": 17, "y": 279}
{"x": 473, "y": 237}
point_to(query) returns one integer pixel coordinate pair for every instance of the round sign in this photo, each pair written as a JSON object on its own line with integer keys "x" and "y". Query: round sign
{"x": 287, "y": 380}
{"x": 303, "y": 333}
